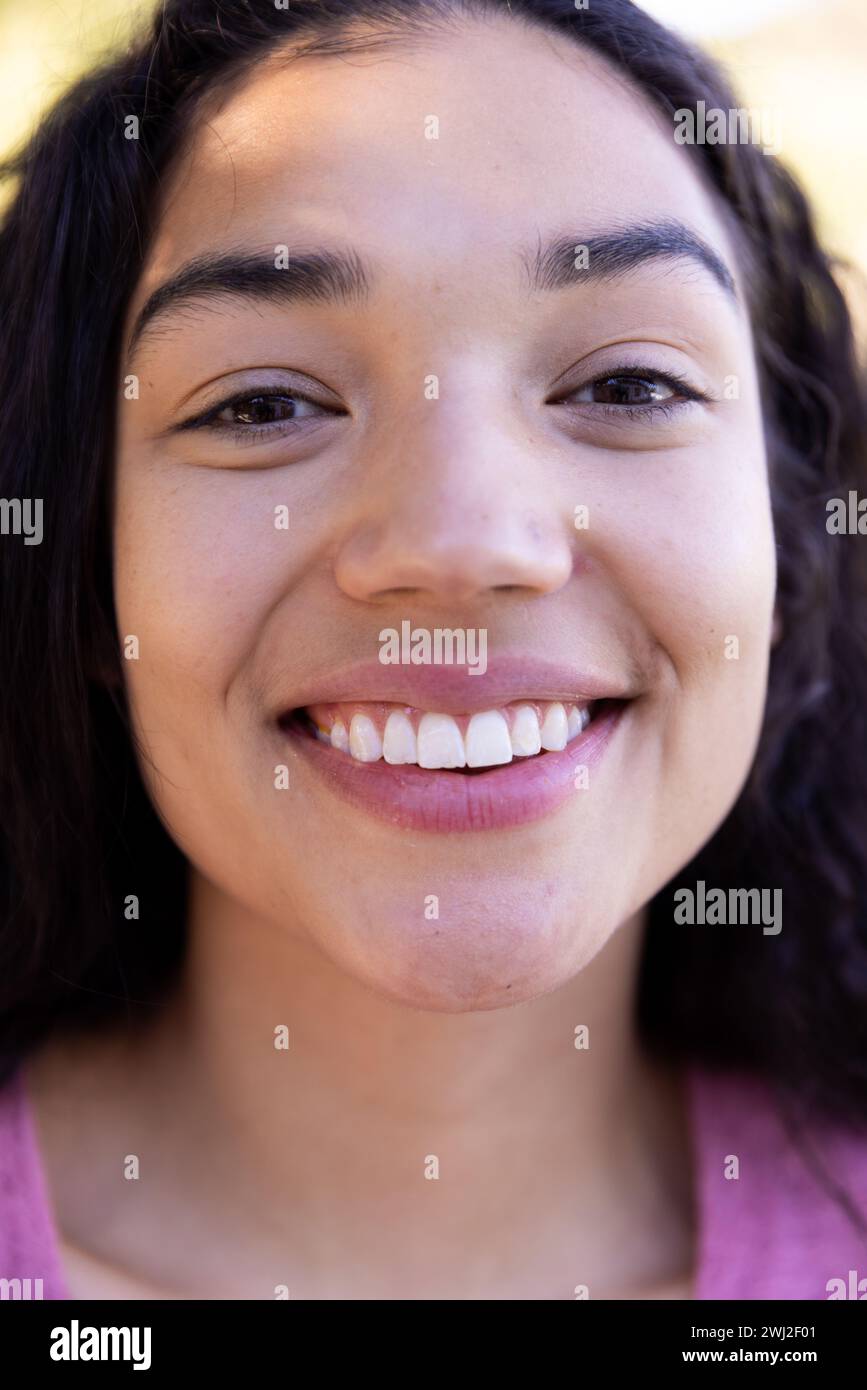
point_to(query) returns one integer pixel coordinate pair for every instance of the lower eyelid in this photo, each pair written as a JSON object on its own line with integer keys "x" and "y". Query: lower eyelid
{"x": 281, "y": 429}
{"x": 591, "y": 409}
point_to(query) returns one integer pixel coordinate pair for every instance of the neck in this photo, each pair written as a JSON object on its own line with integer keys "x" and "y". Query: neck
{"x": 364, "y": 1103}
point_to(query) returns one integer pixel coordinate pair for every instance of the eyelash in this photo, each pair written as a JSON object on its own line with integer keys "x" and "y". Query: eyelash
{"x": 657, "y": 410}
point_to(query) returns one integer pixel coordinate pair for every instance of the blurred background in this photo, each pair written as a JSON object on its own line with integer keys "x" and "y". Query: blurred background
{"x": 803, "y": 61}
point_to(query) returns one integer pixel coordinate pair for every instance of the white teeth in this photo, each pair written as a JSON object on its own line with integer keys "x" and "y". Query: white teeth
{"x": 526, "y": 740}
{"x": 575, "y": 722}
{"x": 339, "y": 736}
{"x": 364, "y": 742}
{"x": 439, "y": 742}
{"x": 554, "y": 732}
{"x": 398, "y": 743}
{"x": 487, "y": 740}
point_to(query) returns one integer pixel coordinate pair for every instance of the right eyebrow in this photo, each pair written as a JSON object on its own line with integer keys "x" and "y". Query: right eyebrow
{"x": 317, "y": 276}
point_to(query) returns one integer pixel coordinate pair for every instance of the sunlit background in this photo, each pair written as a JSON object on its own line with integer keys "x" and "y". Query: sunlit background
{"x": 803, "y": 60}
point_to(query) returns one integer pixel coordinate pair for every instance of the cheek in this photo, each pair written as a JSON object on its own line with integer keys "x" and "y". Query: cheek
{"x": 199, "y": 565}
{"x": 699, "y": 558}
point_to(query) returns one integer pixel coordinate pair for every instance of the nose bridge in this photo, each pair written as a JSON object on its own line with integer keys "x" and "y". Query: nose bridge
{"x": 454, "y": 501}
{"x": 441, "y": 468}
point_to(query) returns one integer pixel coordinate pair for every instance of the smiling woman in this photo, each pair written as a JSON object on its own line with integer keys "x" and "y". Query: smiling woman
{"x": 399, "y": 945}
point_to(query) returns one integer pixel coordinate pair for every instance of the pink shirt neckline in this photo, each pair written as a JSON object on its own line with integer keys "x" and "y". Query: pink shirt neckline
{"x": 769, "y": 1233}
{"x": 29, "y": 1237}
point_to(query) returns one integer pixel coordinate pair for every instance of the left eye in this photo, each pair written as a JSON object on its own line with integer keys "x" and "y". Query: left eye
{"x": 628, "y": 390}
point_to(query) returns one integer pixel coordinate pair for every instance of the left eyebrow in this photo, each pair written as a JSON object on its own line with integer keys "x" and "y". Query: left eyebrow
{"x": 612, "y": 254}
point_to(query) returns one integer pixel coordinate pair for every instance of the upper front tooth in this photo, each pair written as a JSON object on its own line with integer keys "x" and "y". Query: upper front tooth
{"x": 439, "y": 742}
{"x": 398, "y": 744}
{"x": 364, "y": 742}
{"x": 339, "y": 736}
{"x": 554, "y": 731}
{"x": 488, "y": 741}
{"x": 525, "y": 732}
{"x": 575, "y": 722}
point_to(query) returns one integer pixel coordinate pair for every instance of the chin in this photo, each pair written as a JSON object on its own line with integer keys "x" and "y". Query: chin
{"x": 472, "y": 957}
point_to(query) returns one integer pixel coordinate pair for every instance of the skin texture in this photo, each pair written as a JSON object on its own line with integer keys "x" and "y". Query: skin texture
{"x": 411, "y": 1037}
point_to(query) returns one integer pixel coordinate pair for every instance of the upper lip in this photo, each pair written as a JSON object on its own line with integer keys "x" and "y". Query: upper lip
{"x": 452, "y": 690}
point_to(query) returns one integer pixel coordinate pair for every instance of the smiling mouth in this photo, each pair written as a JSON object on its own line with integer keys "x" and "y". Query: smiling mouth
{"x": 405, "y": 736}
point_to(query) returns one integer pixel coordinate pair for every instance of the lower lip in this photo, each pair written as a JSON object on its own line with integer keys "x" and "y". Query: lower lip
{"x": 444, "y": 802}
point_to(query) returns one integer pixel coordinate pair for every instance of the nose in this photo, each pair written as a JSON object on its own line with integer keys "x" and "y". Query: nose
{"x": 452, "y": 512}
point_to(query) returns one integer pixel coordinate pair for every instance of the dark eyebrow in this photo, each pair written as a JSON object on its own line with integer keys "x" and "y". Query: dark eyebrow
{"x": 324, "y": 276}
{"x": 612, "y": 254}
{"x": 335, "y": 276}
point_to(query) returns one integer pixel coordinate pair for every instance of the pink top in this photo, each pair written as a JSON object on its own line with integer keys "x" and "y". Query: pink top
{"x": 772, "y": 1232}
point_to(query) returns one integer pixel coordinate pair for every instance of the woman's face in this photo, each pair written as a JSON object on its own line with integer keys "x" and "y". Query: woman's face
{"x": 453, "y": 447}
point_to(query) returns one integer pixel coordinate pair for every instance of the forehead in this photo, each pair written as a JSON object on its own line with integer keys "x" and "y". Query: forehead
{"x": 444, "y": 151}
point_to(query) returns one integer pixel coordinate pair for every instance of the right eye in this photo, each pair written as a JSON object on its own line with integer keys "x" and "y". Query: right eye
{"x": 259, "y": 412}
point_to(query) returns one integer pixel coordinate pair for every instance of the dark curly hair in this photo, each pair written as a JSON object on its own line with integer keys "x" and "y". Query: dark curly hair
{"x": 77, "y": 830}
